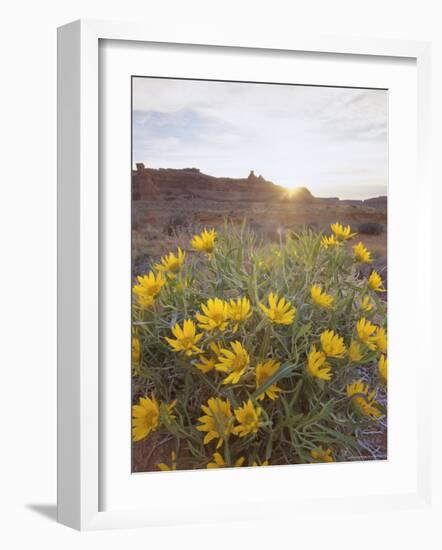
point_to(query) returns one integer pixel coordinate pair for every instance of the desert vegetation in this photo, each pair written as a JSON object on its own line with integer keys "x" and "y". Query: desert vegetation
{"x": 254, "y": 351}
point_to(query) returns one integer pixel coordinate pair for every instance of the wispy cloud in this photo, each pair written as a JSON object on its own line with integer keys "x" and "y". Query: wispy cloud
{"x": 328, "y": 139}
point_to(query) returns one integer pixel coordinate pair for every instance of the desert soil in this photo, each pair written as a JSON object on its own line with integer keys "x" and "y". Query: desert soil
{"x": 161, "y": 225}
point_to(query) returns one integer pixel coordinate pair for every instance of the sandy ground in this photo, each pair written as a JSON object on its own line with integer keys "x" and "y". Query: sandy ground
{"x": 155, "y": 223}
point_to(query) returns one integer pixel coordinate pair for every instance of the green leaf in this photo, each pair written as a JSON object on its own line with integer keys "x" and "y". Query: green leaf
{"x": 314, "y": 418}
{"x": 283, "y": 372}
{"x": 339, "y": 436}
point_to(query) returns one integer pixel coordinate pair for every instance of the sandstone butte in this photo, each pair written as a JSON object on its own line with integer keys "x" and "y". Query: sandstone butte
{"x": 191, "y": 183}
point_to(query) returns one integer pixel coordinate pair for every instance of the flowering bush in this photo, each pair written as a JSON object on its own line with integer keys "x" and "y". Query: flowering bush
{"x": 249, "y": 354}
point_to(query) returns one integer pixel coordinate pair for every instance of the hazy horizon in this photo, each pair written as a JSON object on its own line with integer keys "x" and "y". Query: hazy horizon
{"x": 331, "y": 140}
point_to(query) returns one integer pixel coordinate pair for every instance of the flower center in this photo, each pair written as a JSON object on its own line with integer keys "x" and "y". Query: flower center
{"x": 218, "y": 317}
{"x": 277, "y": 315}
{"x": 187, "y": 342}
{"x": 249, "y": 419}
{"x": 238, "y": 362}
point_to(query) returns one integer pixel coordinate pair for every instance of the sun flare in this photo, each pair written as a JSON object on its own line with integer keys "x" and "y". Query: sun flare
{"x": 297, "y": 193}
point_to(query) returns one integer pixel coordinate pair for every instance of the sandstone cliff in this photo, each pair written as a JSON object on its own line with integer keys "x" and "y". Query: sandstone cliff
{"x": 170, "y": 184}
{"x": 191, "y": 183}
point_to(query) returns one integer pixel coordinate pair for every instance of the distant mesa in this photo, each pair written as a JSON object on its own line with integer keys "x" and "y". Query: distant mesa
{"x": 379, "y": 203}
{"x": 376, "y": 202}
{"x": 190, "y": 183}
{"x": 170, "y": 184}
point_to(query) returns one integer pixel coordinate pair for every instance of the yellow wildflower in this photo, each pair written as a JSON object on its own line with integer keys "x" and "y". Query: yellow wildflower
{"x": 265, "y": 463}
{"x": 216, "y": 348}
{"x": 186, "y": 338}
{"x": 354, "y": 352}
{"x": 263, "y": 372}
{"x": 248, "y": 418}
{"x": 363, "y": 399}
{"x": 380, "y": 338}
{"x": 320, "y": 298}
{"x": 233, "y": 362}
{"x": 136, "y": 355}
{"x": 205, "y": 242}
{"x": 166, "y": 412}
{"x": 322, "y": 455}
{"x": 150, "y": 284}
{"x": 383, "y": 368}
{"x": 147, "y": 288}
{"x": 136, "y": 350}
{"x": 279, "y": 312}
{"x": 165, "y": 467}
{"x": 329, "y": 242}
{"x": 170, "y": 262}
{"x": 215, "y": 315}
{"x": 146, "y": 416}
{"x": 366, "y": 304}
{"x": 362, "y": 254}
{"x": 239, "y": 311}
{"x": 217, "y": 421}
{"x": 205, "y": 364}
{"x": 317, "y": 365}
{"x": 219, "y": 462}
{"x": 332, "y": 344}
{"x": 340, "y": 232}
{"x": 375, "y": 282}
{"x": 365, "y": 331}
{"x": 145, "y": 301}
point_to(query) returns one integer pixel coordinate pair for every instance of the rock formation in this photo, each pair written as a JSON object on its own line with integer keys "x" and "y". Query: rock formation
{"x": 189, "y": 183}
{"x": 171, "y": 184}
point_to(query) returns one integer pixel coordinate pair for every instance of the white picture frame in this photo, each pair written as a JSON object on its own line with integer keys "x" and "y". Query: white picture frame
{"x": 79, "y": 264}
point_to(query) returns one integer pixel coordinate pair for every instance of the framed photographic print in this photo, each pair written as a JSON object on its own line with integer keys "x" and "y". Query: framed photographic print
{"x": 228, "y": 214}
{"x": 259, "y": 312}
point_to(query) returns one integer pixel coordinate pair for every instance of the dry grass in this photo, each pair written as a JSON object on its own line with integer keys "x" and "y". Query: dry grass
{"x": 154, "y": 230}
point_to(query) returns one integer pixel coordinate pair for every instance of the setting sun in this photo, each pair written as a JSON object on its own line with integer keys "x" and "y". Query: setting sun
{"x": 298, "y": 193}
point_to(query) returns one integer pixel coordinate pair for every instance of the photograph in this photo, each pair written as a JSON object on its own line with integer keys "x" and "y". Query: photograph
{"x": 258, "y": 274}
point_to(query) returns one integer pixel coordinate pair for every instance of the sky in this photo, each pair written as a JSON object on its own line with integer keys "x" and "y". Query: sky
{"x": 331, "y": 140}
